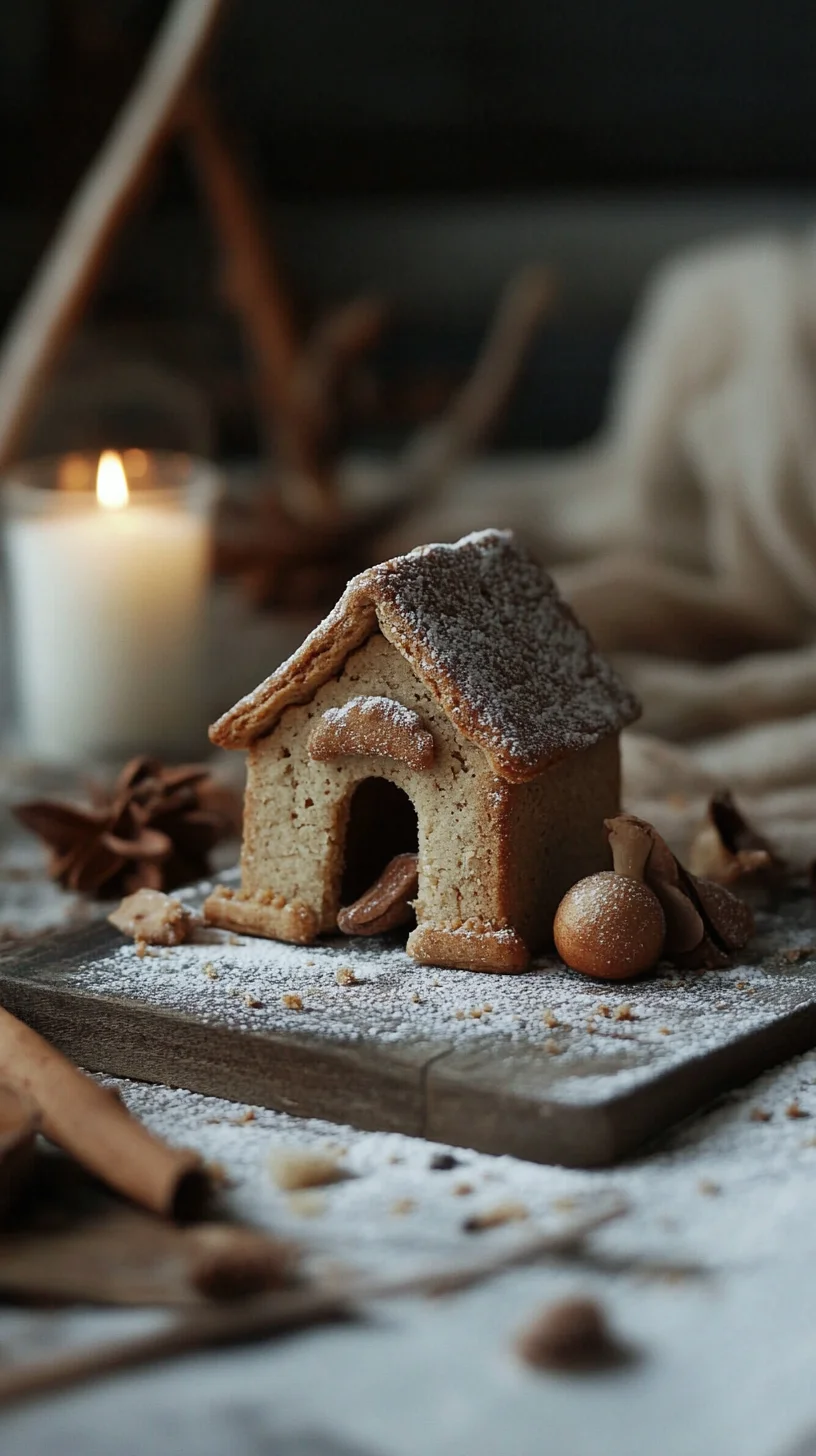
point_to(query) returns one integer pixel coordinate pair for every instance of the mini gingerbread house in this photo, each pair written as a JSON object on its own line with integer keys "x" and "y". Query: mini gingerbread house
{"x": 450, "y": 707}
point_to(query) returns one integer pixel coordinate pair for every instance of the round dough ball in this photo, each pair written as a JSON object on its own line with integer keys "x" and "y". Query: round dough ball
{"x": 609, "y": 926}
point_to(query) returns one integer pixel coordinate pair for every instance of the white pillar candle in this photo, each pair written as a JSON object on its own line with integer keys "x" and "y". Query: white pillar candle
{"x": 108, "y": 599}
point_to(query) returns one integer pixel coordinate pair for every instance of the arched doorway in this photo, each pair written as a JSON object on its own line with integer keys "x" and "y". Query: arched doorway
{"x": 382, "y": 822}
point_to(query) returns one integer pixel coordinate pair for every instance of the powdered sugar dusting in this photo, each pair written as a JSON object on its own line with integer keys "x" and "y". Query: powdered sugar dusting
{"x": 483, "y": 623}
{"x": 386, "y": 708}
{"x": 595, "y": 1038}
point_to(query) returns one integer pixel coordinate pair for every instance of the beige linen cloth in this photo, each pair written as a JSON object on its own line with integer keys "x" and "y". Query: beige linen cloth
{"x": 685, "y": 535}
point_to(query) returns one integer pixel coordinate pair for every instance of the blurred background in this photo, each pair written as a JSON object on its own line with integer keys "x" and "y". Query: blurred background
{"x": 420, "y": 151}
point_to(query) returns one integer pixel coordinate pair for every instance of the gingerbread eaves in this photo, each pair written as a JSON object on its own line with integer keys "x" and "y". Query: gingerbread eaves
{"x": 482, "y": 625}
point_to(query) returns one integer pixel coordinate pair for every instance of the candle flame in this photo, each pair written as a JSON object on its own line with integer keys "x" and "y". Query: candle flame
{"x": 111, "y": 481}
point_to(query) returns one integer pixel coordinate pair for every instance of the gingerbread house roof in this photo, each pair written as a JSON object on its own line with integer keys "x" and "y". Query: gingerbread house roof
{"x": 482, "y": 624}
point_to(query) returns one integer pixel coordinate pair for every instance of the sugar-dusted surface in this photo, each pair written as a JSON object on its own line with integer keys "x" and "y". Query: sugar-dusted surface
{"x": 607, "y": 1038}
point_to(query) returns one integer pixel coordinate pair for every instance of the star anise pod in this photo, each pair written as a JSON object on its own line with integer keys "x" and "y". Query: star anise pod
{"x": 154, "y": 830}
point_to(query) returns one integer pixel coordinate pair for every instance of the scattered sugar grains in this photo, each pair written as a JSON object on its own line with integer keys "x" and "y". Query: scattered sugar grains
{"x": 614, "y": 1045}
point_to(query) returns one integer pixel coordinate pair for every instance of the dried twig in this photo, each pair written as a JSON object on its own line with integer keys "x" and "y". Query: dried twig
{"x": 73, "y": 260}
{"x": 266, "y": 1314}
{"x": 254, "y": 289}
{"x": 443, "y": 446}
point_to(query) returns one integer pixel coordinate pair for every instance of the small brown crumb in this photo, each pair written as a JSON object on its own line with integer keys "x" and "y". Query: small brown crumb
{"x": 794, "y": 1109}
{"x": 443, "y": 1162}
{"x": 570, "y": 1335}
{"x": 625, "y": 1013}
{"x": 552, "y": 1047}
{"x": 294, "y": 1169}
{"x": 741, "y": 985}
{"x": 247, "y": 1116}
{"x": 403, "y": 1206}
{"x": 475, "y": 1012}
{"x": 549, "y": 1020}
{"x": 152, "y": 918}
{"x": 708, "y": 1187}
{"x": 235, "y": 940}
{"x": 759, "y": 1114}
{"x": 307, "y": 1203}
{"x": 462, "y": 1190}
{"x": 228, "y": 1262}
{"x": 459, "y": 1015}
{"x": 487, "y": 1010}
{"x": 141, "y": 949}
{"x": 253, "y": 1001}
{"x": 494, "y": 1217}
{"x": 346, "y": 977}
{"x": 415, "y": 997}
{"x": 603, "y": 1010}
{"x": 292, "y": 1001}
{"x": 210, "y": 971}
{"x": 664, "y": 1030}
{"x": 591, "y": 1028}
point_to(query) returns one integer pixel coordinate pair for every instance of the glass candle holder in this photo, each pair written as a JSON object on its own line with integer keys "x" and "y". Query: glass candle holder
{"x": 108, "y": 564}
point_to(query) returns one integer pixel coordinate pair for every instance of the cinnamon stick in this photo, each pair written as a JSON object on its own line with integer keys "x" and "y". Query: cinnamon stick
{"x": 19, "y": 1123}
{"x": 94, "y": 1126}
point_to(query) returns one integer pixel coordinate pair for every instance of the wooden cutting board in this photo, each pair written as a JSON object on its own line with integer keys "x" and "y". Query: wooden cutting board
{"x": 547, "y": 1066}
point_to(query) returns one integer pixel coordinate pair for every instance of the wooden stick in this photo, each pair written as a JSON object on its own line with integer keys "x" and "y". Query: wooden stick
{"x": 73, "y": 260}
{"x": 93, "y": 1125}
{"x": 253, "y": 286}
{"x": 439, "y": 448}
{"x": 267, "y": 1314}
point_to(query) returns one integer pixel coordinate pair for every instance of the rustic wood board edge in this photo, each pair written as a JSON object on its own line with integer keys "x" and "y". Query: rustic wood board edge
{"x": 480, "y": 1101}
{"x": 468, "y": 1108}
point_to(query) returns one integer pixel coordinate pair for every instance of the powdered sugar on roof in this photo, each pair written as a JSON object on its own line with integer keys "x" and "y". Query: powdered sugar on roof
{"x": 482, "y": 623}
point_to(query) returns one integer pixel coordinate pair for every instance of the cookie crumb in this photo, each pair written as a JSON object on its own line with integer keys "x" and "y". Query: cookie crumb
{"x": 759, "y": 1114}
{"x": 708, "y": 1187}
{"x": 141, "y": 949}
{"x": 552, "y": 1047}
{"x": 794, "y": 1109}
{"x": 495, "y": 1217}
{"x": 664, "y": 1030}
{"x": 295, "y": 1169}
{"x": 462, "y": 1190}
{"x": 292, "y": 1001}
{"x": 402, "y": 1206}
{"x": 603, "y": 1010}
{"x": 415, "y": 997}
{"x": 235, "y": 940}
{"x": 346, "y": 977}
{"x": 570, "y": 1335}
{"x": 625, "y": 1013}
{"x": 459, "y": 1015}
{"x": 549, "y": 1019}
{"x": 307, "y": 1203}
{"x": 210, "y": 971}
{"x": 250, "y": 1000}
